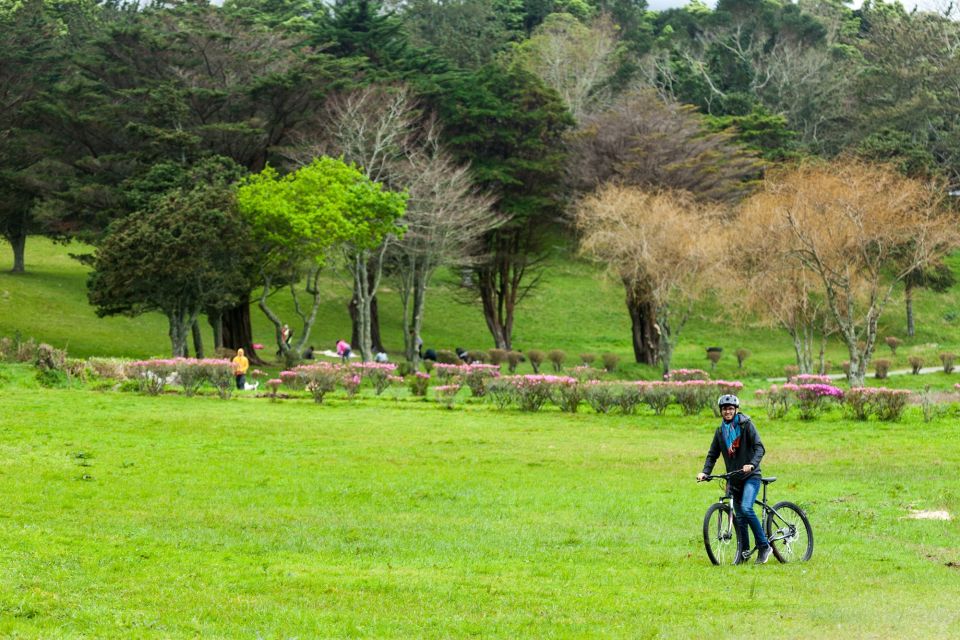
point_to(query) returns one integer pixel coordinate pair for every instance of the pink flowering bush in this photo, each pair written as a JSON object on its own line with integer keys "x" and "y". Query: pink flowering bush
{"x": 533, "y": 391}
{"x": 567, "y": 393}
{"x": 693, "y": 395}
{"x": 886, "y": 404}
{"x": 446, "y": 394}
{"x": 419, "y": 382}
{"x": 629, "y": 398}
{"x": 319, "y": 379}
{"x": 274, "y": 385}
{"x": 477, "y": 376}
{"x": 810, "y": 378}
{"x": 684, "y": 375}
{"x": 776, "y": 400}
{"x": 601, "y": 396}
{"x": 657, "y": 395}
{"x": 378, "y": 373}
{"x": 585, "y": 372}
{"x": 351, "y": 384}
{"x": 292, "y": 380}
{"x": 151, "y": 375}
{"x": 812, "y": 397}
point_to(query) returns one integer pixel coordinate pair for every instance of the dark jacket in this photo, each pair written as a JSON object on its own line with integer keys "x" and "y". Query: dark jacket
{"x": 750, "y": 451}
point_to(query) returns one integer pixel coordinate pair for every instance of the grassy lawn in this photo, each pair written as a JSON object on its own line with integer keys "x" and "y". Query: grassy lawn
{"x": 168, "y": 517}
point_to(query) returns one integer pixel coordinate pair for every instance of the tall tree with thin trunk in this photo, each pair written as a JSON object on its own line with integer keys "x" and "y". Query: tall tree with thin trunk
{"x": 446, "y": 219}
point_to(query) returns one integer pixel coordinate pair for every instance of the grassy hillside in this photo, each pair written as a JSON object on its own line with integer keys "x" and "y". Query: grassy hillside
{"x": 576, "y": 308}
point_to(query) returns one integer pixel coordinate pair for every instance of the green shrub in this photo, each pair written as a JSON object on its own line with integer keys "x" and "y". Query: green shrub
{"x": 52, "y": 378}
{"x": 445, "y": 356}
{"x": 536, "y": 358}
{"x": 893, "y": 343}
{"x": 610, "y": 361}
{"x": 713, "y": 355}
{"x": 742, "y": 355}
{"x": 916, "y": 363}
{"x": 588, "y": 358}
{"x": 557, "y": 357}
{"x": 948, "y": 359}
{"x": 497, "y": 356}
{"x": 477, "y": 356}
{"x": 881, "y": 368}
{"x": 514, "y": 358}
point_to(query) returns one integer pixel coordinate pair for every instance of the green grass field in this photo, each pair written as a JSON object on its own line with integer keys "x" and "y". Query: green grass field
{"x": 127, "y": 516}
{"x": 167, "y": 517}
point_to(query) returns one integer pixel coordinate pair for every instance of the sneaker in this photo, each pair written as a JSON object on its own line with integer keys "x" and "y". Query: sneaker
{"x": 763, "y": 555}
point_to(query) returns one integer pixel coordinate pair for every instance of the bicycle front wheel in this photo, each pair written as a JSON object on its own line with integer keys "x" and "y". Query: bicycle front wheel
{"x": 789, "y": 532}
{"x": 720, "y": 534}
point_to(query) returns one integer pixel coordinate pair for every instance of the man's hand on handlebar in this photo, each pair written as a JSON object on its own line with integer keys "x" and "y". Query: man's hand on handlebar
{"x": 701, "y": 476}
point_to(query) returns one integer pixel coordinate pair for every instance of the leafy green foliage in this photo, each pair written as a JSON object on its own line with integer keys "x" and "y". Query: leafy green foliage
{"x": 304, "y": 214}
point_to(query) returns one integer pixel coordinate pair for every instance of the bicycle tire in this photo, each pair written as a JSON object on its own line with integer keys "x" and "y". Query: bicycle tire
{"x": 797, "y": 547}
{"x": 720, "y": 535}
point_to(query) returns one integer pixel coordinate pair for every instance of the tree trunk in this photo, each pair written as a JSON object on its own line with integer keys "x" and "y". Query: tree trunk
{"x": 908, "y": 297}
{"x": 642, "y": 326}
{"x": 215, "y": 318}
{"x": 352, "y": 308}
{"x": 18, "y": 242}
{"x": 197, "y": 338}
{"x": 180, "y": 323}
{"x": 237, "y": 332}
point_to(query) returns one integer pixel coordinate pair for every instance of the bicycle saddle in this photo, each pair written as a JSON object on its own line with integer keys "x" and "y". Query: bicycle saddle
{"x": 768, "y": 480}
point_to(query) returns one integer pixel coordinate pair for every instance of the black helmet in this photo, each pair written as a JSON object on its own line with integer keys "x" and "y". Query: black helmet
{"x": 728, "y": 398}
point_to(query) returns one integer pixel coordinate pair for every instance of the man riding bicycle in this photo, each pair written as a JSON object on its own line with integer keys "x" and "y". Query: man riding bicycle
{"x": 737, "y": 440}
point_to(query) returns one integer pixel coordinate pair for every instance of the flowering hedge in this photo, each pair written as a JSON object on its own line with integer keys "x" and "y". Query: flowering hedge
{"x": 684, "y": 375}
{"x": 810, "y": 399}
{"x": 153, "y": 376}
{"x": 885, "y": 404}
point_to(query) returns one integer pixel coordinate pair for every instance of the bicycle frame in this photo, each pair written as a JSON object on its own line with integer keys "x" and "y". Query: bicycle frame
{"x": 766, "y": 510}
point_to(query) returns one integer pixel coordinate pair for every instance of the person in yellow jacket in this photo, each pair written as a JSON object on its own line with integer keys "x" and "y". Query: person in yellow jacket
{"x": 240, "y": 366}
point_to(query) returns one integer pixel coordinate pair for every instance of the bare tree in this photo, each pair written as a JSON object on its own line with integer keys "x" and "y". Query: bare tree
{"x": 446, "y": 219}
{"x": 664, "y": 239}
{"x": 861, "y": 229}
{"x": 573, "y": 58}
{"x": 643, "y": 141}
{"x": 762, "y": 274}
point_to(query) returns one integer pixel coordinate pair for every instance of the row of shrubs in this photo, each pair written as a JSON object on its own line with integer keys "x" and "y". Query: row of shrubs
{"x": 811, "y": 394}
{"x": 881, "y": 366}
{"x": 556, "y": 358}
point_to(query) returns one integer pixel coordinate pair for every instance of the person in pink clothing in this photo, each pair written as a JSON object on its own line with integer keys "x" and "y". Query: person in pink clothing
{"x": 343, "y": 350}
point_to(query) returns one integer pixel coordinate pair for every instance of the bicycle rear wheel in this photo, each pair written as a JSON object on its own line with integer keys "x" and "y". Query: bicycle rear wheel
{"x": 789, "y": 532}
{"x": 720, "y": 534}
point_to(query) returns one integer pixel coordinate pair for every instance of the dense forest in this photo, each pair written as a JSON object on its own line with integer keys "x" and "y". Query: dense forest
{"x": 130, "y": 128}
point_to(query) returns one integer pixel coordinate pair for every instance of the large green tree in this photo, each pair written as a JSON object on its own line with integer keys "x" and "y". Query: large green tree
{"x": 177, "y": 84}
{"x": 300, "y": 219}
{"x": 187, "y": 251}
{"x": 509, "y": 127}
{"x": 36, "y": 37}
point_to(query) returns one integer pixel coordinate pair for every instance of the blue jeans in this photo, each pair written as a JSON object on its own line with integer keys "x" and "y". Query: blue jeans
{"x": 743, "y": 499}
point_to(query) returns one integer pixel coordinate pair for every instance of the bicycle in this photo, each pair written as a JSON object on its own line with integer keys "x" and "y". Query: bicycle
{"x": 785, "y": 524}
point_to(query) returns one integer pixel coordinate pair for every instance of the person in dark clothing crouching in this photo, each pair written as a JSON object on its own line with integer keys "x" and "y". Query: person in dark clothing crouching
{"x": 737, "y": 440}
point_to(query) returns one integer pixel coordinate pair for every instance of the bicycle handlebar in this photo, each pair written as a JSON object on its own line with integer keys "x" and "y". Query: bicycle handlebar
{"x": 724, "y": 476}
